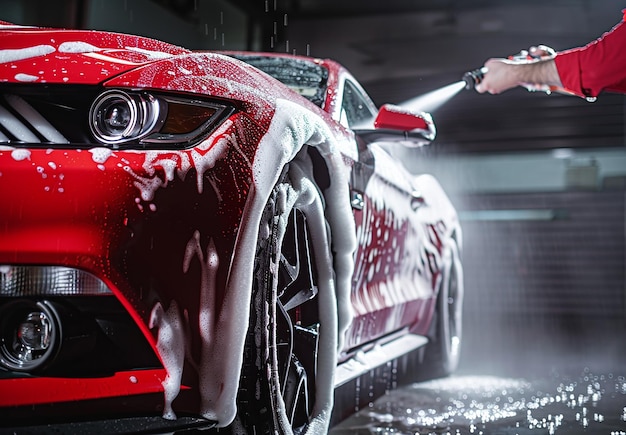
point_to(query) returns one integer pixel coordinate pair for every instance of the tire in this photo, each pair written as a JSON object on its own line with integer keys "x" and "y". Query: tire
{"x": 289, "y": 343}
{"x": 442, "y": 353}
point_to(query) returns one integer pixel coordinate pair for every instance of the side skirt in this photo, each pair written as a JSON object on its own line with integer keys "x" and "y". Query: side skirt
{"x": 370, "y": 374}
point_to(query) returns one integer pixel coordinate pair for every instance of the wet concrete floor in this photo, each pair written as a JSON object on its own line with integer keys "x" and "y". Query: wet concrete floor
{"x": 511, "y": 387}
{"x": 589, "y": 403}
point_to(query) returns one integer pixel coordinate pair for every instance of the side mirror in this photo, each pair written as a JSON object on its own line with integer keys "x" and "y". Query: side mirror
{"x": 397, "y": 124}
{"x": 392, "y": 117}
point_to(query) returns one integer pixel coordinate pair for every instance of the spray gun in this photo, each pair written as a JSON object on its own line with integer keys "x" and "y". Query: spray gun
{"x": 472, "y": 78}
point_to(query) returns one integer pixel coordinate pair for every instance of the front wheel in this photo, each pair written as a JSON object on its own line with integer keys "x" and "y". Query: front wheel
{"x": 291, "y": 346}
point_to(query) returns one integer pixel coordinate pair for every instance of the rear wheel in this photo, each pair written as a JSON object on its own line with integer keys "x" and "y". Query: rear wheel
{"x": 443, "y": 352}
{"x": 287, "y": 373}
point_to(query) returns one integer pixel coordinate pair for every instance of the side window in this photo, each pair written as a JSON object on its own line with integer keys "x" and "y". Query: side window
{"x": 355, "y": 109}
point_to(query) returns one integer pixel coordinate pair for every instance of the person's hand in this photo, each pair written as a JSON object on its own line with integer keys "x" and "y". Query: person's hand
{"x": 535, "y": 71}
{"x": 500, "y": 76}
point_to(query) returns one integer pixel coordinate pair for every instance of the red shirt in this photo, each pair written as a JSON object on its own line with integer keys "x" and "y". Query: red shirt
{"x": 598, "y": 66}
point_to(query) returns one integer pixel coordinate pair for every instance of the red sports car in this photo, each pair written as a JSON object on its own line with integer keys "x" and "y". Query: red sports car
{"x": 199, "y": 239}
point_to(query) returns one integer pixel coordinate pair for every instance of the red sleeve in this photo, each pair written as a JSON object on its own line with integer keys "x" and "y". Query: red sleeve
{"x": 598, "y": 66}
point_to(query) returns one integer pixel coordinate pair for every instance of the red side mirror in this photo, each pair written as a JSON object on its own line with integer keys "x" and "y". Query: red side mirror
{"x": 392, "y": 117}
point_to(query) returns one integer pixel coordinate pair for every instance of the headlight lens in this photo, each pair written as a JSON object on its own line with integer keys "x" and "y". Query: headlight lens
{"x": 29, "y": 334}
{"x": 119, "y": 118}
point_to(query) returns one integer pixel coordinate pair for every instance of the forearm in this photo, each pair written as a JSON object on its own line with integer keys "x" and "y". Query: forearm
{"x": 540, "y": 72}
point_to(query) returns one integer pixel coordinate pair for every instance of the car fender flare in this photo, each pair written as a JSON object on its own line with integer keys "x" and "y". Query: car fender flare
{"x": 292, "y": 127}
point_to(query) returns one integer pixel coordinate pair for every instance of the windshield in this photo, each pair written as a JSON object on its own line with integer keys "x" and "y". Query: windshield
{"x": 305, "y": 77}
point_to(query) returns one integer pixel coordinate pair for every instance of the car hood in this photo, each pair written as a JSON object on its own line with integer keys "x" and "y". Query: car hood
{"x": 41, "y": 55}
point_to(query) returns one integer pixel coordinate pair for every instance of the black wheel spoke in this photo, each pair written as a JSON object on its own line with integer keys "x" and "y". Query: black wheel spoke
{"x": 302, "y": 287}
{"x": 296, "y": 392}
{"x": 297, "y": 287}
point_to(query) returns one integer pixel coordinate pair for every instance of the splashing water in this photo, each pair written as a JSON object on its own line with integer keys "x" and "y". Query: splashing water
{"x": 433, "y": 100}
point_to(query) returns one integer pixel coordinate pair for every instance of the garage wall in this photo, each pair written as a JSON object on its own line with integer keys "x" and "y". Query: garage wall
{"x": 215, "y": 24}
{"x": 546, "y": 254}
{"x": 544, "y": 274}
{"x": 12, "y": 11}
{"x": 521, "y": 171}
{"x": 544, "y": 251}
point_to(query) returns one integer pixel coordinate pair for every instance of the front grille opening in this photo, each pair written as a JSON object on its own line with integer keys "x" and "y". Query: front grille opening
{"x": 46, "y": 115}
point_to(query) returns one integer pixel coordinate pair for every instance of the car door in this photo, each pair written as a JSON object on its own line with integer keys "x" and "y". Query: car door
{"x": 393, "y": 280}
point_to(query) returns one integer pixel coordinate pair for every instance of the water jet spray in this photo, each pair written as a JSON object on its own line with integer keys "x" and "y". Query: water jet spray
{"x": 432, "y": 100}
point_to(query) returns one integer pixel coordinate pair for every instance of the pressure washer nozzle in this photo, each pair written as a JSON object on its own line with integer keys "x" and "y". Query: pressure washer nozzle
{"x": 472, "y": 78}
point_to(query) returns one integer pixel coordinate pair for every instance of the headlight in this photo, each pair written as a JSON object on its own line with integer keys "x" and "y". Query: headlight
{"x": 124, "y": 118}
{"x": 117, "y": 116}
{"x": 29, "y": 334}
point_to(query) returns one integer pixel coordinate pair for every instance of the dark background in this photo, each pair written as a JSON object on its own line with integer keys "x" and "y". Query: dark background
{"x": 538, "y": 180}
